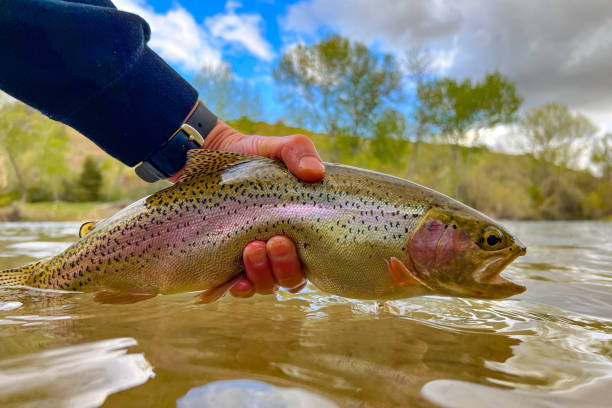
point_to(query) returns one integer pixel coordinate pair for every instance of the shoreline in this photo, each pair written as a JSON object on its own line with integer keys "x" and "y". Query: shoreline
{"x": 60, "y": 211}
{"x": 91, "y": 211}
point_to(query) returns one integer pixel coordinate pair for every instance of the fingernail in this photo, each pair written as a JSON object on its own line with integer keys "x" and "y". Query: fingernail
{"x": 280, "y": 250}
{"x": 242, "y": 286}
{"x": 258, "y": 256}
{"x": 311, "y": 164}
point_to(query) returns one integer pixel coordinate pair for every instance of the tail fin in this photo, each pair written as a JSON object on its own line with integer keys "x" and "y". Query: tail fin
{"x": 19, "y": 276}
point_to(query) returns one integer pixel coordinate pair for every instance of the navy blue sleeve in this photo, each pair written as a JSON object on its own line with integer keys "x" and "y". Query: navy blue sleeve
{"x": 87, "y": 64}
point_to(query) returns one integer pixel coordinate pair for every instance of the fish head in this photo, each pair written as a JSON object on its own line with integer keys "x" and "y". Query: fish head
{"x": 461, "y": 252}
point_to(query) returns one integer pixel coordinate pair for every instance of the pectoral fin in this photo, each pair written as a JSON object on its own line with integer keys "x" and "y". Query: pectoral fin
{"x": 402, "y": 276}
{"x": 217, "y": 292}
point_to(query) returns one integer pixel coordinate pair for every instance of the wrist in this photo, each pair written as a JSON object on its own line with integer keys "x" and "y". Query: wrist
{"x": 218, "y": 138}
{"x": 171, "y": 156}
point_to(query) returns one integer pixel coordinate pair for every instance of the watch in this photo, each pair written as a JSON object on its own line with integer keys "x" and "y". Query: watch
{"x": 172, "y": 155}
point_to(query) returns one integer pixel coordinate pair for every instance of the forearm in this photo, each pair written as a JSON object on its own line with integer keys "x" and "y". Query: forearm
{"x": 87, "y": 64}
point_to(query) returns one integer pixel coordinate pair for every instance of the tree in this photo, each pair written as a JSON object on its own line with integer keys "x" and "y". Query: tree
{"x": 34, "y": 147}
{"x": 226, "y": 95}
{"x": 602, "y": 156}
{"x": 455, "y": 108}
{"x": 90, "y": 181}
{"x": 417, "y": 63}
{"x": 337, "y": 85}
{"x": 17, "y": 140}
{"x": 53, "y": 140}
{"x": 555, "y": 135}
{"x": 388, "y": 143}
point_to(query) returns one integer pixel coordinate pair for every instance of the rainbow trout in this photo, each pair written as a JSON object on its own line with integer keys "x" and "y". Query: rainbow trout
{"x": 359, "y": 234}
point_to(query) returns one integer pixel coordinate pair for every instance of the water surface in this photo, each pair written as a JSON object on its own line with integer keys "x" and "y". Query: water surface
{"x": 550, "y": 346}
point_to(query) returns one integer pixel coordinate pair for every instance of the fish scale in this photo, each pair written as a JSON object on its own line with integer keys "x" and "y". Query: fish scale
{"x": 190, "y": 236}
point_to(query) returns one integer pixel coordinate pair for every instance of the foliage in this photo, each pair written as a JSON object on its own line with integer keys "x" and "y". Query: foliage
{"x": 59, "y": 211}
{"x": 387, "y": 145}
{"x": 602, "y": 156}
{"x": 226, "y": 95}
{"x": 90, "y": 181}
{"x": 338, "y": 85}
{"x": 417, "y": 64}
{"x": 40, "y": 193}
{"x": 8, "y": 197}
{"x": 454, "y": 108}
{"x": 17, "y": 135}
{"x": 555, "y": 135}
{"x": 34, "y": 148}
{"x": 351, "y": 93}
{"x": 458, "y": 107}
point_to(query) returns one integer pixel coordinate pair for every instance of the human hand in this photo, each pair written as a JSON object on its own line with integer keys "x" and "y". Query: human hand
{"x": 275, "y": 262}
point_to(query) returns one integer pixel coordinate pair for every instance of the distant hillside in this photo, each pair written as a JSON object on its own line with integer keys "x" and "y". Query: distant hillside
{"x": 502, "y": 185}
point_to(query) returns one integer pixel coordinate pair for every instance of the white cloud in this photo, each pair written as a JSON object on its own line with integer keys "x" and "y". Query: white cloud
{"x": 554, "y": 50}
{"x": 175, "y": 35}
{"x": 180, "y": 40}
{"x": 398, "y": 23}
{"x": 443, "y": 60}
{"x": 242, "y": 29}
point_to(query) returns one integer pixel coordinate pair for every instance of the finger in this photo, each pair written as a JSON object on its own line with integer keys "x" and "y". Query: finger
{"x": 285, "y": 263}
{"x": 243, "y": 288}
{"x": 297, "y": 152}
{"x": 258, "y": 268}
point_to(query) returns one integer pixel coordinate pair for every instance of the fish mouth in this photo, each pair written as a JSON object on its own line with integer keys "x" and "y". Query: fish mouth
{"x": 490, "y": 272}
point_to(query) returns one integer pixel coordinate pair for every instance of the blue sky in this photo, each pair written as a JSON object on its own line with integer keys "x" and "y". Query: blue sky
{"x": 246, "y": 35}
{"x": 555, "y": 52}
{"x": 236, "y": 54}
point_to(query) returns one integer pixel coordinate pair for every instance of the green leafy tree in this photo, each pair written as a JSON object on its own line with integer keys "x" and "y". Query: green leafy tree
{"x": 50, "y": 162}
{"x": 417, "y": 64}
{"x": 602, "y": 156}
{"x": 18, "y": 142}
{"x": 388, "y": 144}
{"x": 337, "y": 85}
{"x": 226, "y": 95}
{"x": 34, "y": 147}
{"x": 456, "y": 108}
{"x": 90, "y": 181}
{"x": 556, "y": 135}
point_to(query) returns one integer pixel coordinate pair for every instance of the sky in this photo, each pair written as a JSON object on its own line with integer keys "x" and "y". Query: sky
{"x": 554, "y": 50}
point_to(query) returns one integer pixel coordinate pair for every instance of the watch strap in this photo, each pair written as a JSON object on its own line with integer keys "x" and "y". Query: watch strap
{"x": 172, "y": 155}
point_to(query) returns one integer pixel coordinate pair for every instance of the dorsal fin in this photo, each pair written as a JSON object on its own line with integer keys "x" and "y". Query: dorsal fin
{"x": 86, "y": 228}
{"x": 203, "y": 161}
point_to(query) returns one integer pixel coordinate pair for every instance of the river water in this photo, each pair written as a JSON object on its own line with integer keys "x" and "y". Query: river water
{"x": 549, "y": 346}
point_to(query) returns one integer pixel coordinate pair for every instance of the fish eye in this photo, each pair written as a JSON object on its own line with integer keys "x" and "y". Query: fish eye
{"x": 492, "y": 239}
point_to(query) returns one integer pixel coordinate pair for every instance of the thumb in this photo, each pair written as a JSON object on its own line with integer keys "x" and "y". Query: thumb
{"x": 297, "y": 152}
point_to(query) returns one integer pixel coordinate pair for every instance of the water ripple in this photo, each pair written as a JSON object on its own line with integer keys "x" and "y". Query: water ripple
{"x": 552, "y": 345}
{"x": 73, "y": 376}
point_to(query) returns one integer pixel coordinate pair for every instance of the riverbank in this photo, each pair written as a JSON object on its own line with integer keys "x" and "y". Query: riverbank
{"x": 59, "y": 211}
{"x": 504, "y": 186}
{"x": 64, "y": 211}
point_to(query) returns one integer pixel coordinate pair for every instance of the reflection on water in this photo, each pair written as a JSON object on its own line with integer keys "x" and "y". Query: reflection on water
{"x": 249, "y": 393}
{"x": 79, "y": 376}
{"x": 545, "y": 346}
